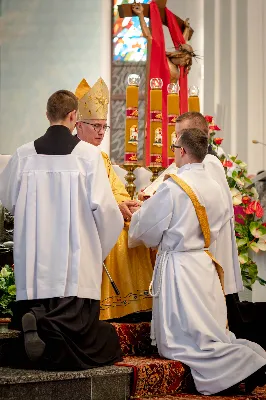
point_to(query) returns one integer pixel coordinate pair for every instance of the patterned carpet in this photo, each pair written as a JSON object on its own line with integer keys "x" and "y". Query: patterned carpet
{"x": 258, "y": 394}
{"x": 155, "y": 376}
{"x": 135, "y": 338}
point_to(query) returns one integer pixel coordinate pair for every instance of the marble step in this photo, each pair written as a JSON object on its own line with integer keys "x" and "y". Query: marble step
{"x": 112, "y": 383}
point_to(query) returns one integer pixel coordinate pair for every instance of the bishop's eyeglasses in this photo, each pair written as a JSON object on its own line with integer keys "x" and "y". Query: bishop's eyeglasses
{"x": 98, "y": 127}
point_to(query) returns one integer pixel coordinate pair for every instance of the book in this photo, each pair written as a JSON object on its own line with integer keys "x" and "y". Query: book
{"x": 149, "y": 191}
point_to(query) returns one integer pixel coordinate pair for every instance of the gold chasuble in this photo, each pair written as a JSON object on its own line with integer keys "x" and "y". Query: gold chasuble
{"x": 131, "y": 269}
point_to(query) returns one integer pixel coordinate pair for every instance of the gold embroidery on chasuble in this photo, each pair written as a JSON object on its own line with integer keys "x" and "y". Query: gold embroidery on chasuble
{"x": 131, "y": 269}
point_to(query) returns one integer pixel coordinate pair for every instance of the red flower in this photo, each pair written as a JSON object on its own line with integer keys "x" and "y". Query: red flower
{"x": 227, "y": 163}
{"x": 217, "y": 141}
{"x": 208, "y": 118}
{"x": 255, "y": 208}
{"x": 239, "y": 212}
{"x": 246, "y": 200}
{"x": 214, "y": 128}
{"x": 264, "y": 224}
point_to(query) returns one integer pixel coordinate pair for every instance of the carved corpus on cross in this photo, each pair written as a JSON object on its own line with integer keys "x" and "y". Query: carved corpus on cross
{"x": 125, "y": 10}
{"x": 169, "y": 66}
{"x": 183, "y": 55}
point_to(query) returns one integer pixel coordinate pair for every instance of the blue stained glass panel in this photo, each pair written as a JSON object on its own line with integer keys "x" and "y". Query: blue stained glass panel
{"x": 128, "y": 41}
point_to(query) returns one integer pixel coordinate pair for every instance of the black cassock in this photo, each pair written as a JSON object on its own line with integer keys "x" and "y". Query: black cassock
{"x": 75, "y": 338}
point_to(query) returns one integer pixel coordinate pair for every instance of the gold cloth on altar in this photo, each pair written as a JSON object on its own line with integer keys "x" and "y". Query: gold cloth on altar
{"x": 131, "y": 269}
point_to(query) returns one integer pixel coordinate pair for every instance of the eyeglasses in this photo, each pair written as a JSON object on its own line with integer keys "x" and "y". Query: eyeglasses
{"x": 98, "y": 127}
{"x": 174, "y": 146}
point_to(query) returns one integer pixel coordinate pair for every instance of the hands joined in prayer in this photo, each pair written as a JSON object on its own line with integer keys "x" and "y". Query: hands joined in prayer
{"x": 128, "y": 208}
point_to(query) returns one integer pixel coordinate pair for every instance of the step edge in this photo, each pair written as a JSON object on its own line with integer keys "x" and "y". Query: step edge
{"x": 61, "y": 375}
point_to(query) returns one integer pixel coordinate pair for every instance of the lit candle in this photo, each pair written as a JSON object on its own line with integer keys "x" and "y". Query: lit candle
{"x": 156, "y": 133}
{"x": 172, "y": 113}
{"x": 131, "y": 131}
{"x": 193, "y": 99}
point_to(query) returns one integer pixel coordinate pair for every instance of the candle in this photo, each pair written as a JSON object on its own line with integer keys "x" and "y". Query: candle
{"x": 193, "y": 99}
{"x": 131, "y": 131}
{"x": 156, "y": 133}
{"x": 172, "y": 114}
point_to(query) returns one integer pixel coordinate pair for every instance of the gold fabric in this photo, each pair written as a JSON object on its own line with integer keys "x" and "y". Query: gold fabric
{"x": 203, "y": 221}
{"x": 93, "y": 101}
{"x": 131, "y": 269}
{"x": 118, "y": 189}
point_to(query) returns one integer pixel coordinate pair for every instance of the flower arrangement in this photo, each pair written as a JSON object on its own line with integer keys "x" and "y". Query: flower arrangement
{"x": 249, "y": 227}
{"x": 7, "y": 290}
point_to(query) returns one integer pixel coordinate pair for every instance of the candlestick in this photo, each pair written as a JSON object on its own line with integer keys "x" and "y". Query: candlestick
{"x": 130, "y": 177}
{"x": 173, "y": 113}
{"x": 131, "y": 131}
{"x": 193, "y": 99}
{"x": 156, "y": 133}
{"x": 155, "y": 172}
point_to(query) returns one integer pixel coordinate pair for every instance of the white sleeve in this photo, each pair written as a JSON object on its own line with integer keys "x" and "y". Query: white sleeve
{"x": 149, "y": 223}
{"x": 226, "y": 240}
{"x": 228, "y": 259}
{"x": 106, "y": 213}
{"x": 10, "y": 183}
{"x": 215, "y": 168}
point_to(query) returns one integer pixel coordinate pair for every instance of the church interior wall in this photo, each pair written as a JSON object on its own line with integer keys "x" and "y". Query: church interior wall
{"x": 47, "y": 45}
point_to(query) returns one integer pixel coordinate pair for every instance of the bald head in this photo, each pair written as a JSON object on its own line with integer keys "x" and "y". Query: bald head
{"x": 191, "y": 120}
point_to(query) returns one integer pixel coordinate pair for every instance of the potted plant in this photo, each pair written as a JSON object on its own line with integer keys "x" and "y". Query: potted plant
{"x": 7, "y": 295}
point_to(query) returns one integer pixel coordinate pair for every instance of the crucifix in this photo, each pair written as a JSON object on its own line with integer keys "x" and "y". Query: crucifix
{"x": 171, "y": 65}
{"x": 125, "y": 10}
{"x": 183, "y": 55}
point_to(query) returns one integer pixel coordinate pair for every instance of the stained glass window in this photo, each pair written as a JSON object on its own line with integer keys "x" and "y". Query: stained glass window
{"x": 128, "y": 41}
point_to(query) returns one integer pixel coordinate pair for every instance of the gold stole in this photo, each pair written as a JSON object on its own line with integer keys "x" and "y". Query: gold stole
{"x": 203, "y": 221}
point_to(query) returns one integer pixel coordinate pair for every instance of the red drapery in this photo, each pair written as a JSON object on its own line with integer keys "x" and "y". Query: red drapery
{"x": 159, "y": 69}
{"x": 177, "y": 38}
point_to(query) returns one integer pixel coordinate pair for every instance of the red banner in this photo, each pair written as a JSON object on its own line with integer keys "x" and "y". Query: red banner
{"x": 159, "y": 69}
{"x": 178, "y": 38}
{"x": 172, "y": 120}
{"x": 156, "y": 116}
{"x": 156, "y": 159}
{"x": 131, "y": 158}
{"x": 132, "y": 113}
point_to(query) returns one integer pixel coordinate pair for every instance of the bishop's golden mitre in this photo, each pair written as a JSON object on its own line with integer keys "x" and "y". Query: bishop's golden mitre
{"x": 93, "y": 101}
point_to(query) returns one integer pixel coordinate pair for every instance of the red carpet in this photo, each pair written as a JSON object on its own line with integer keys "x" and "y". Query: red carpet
{"x": 135, "y": 338}
{"x": 258, "y": 394}
{"x": 154, "y": 376}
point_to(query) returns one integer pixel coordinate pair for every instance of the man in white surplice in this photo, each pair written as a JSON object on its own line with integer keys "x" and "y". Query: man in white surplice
{"x": 183, "y": 218}
{"x": 66, "y": 223}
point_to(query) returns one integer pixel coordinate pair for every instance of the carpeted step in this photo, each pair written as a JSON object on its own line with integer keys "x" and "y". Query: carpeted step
{"x": 157, "y": 376}
{"x": 110, "y": 383}
{"x": 135, "y": 338}
{"x": 258, "y": 394}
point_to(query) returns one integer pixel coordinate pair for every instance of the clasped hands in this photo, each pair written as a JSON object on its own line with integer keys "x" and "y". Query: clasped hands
{"x": 128, "y": 208}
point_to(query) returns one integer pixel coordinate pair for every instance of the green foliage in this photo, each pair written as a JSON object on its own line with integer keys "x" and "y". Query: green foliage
{"x": 7, "y": 290}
